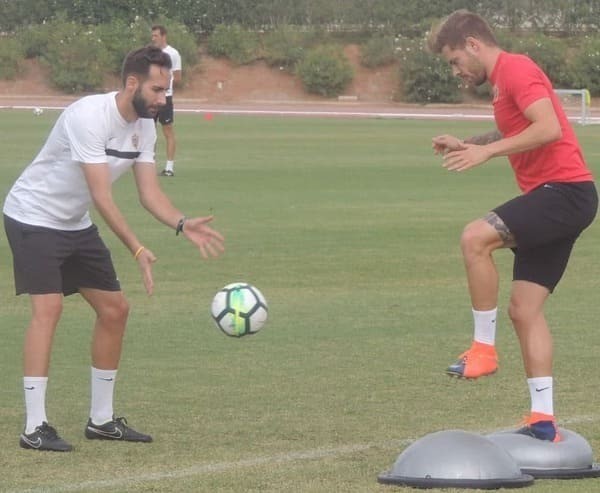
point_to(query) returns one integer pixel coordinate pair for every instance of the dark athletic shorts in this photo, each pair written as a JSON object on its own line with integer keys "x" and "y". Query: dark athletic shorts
{"x": 166, "y": 115}
{"x": 545, "y": 224}
{"x": 54, "y": 261}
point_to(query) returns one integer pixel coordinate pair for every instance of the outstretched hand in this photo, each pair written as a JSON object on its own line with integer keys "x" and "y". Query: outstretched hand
{"x": 208, "y": 240}
{"x": 446, "y": 143}
{"x": 145, "y": 261}
{"x": 472, "y": 155}
{"x": 458, "y": 155}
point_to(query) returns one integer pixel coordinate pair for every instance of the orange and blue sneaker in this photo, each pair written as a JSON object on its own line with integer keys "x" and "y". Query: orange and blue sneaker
{"x": 477, "y": 361}
{"x": 541, "y": 426}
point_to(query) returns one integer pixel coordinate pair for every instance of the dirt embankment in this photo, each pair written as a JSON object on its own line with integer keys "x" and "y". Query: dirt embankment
{"x": 220, "y": 81}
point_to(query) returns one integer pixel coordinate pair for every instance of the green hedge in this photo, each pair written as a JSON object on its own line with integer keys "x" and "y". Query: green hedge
{"x": 425, "y": 78}
{"x": 11, "y": 54}
{"x": 325, "y": 71}
{"x": 79, "y": 56}
{"x": 285, "y": 46}
{"x": 377, "y": 51}
{"x": 234, "y": 42}
{"x": 585, "y": 66}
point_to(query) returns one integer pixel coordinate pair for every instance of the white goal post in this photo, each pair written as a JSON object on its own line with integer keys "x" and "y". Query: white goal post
{"x": 576, "y": 103}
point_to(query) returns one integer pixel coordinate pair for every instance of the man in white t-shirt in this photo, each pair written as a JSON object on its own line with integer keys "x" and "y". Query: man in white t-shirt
{"x": 166, "y": 115}
{"x": 57, "y": 250}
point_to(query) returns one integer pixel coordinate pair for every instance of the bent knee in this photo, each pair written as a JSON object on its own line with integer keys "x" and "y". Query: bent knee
{"x": 46, "y": 309}
{"x": 476, "y": 238}
{"x": 115, "y": 312}
{"x": 519, "y": 313}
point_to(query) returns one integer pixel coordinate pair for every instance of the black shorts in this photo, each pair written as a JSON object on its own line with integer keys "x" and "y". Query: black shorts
{"x": 166, "y": 115}
{"x": 545, "y": 224}
{"x": 49, "y": 260}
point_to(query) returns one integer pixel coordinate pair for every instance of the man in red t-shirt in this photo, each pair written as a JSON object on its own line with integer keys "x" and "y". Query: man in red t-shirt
{"x": 559, "y": 201}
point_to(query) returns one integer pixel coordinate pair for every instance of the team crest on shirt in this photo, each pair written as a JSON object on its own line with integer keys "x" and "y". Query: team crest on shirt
{"x": 135, "y": 140}
{"x": 496, "y": 93}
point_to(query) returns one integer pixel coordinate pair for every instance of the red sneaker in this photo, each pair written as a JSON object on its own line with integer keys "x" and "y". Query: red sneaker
{"x": 541, "y": 426}
{"x": 478, "y": 361}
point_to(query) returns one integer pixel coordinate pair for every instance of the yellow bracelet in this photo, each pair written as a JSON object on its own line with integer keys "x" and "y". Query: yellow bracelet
{"x": 138, "y": 252}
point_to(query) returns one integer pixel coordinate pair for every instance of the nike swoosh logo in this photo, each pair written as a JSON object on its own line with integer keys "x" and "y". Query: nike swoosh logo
{"x": 29, "y": 388}
{"x": 106, "y": 379}
{"x": 116, "y": 433}
{"x": 542, "y": 389}
{"x": 35, "y": 444}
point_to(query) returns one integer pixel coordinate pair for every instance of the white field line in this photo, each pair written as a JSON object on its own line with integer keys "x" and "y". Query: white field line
{"x": 217, "y": 467}
{"x": 414, "y": 115}
{"x": 121, "y": 483}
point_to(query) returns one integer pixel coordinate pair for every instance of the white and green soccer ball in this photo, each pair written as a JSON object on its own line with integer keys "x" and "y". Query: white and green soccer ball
{"x": 38, "y": 111}
{"x": 239, "y": 309}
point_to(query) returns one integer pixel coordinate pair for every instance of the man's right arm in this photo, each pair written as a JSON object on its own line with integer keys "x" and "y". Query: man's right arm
{"x": 484, "y": 139}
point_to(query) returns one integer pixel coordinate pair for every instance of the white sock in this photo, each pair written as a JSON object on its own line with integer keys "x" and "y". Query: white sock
{"x": 103, "y": 385}
{"x": 541, "y": 391}
{"x": 485, "y": 326}
{"x": 35, "y": 402}
{"x": 170, "y": 165}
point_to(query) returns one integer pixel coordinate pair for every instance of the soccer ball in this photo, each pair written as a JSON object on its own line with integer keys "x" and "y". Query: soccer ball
{"x": 239, "y": 309}
{"x": 37, "y": 111}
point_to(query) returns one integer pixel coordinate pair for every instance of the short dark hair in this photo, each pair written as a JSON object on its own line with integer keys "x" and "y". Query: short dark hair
{"x": 138, "y": 62}
{"x": 454, "y": 30}
{"x": 161, "y": 28}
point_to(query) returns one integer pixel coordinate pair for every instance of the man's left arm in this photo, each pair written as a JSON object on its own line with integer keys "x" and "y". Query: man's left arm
{"x": 544, "y": 128}
{"x": 176, "y": 68}
{"x": 176, "y": 77}
{"x": 155, "y": 201}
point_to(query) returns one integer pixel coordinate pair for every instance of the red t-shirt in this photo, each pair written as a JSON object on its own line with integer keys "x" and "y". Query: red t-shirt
{"x": 518, "y": 82}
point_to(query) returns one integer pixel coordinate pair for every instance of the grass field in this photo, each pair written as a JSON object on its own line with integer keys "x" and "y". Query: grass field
{"x": 350, "y": 228}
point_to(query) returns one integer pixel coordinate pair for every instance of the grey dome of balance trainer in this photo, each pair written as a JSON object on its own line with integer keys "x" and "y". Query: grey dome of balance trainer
{"x": 455, "y": 459}
{"x": 570, "y": 458}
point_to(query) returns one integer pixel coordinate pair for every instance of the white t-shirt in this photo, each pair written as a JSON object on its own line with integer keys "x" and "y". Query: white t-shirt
{"x": 52, "y": 191}
{"x": 175, "y": 65}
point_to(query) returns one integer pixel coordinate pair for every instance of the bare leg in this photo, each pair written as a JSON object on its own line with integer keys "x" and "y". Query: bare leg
{"x": 169, "y": 133}
{"x": 112, "y": 311}
{"x": 46, "y": 310}
{"x": 478, "y": 241}
{"x": 526, "y": 312}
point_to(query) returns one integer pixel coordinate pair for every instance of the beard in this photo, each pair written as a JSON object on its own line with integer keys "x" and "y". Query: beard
{"x": 141, "y": 106}
{"x": 477, "y": 70}
{"x": 480, "y": 79}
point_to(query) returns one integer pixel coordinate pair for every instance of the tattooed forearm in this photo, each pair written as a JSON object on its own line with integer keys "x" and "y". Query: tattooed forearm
{"x": 508, "y": 240}
{"x": 484, "y": 139}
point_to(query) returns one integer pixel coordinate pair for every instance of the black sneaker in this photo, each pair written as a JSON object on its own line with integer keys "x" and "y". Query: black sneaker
{"x": 167, "y": 172}
{"x": 44, "y": 438}
{"x": 116, "y": 429}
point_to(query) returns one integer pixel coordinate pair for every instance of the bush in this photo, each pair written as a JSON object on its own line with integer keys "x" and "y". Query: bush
{"x": 77, "y": 57}
{"x": 426, "y": 78}
{"x": 11, "y": 53}
{"x": 234, "y": 42}
{"x": 585, "y": 66}
{"x": 378, "y": 51}
{"x": 285, "y": 46}
{"x": 549, "y": 53}
{"x": 325, "y": 71}
{"x": 34, "y": 39}
{"x": 120, "y": 38}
